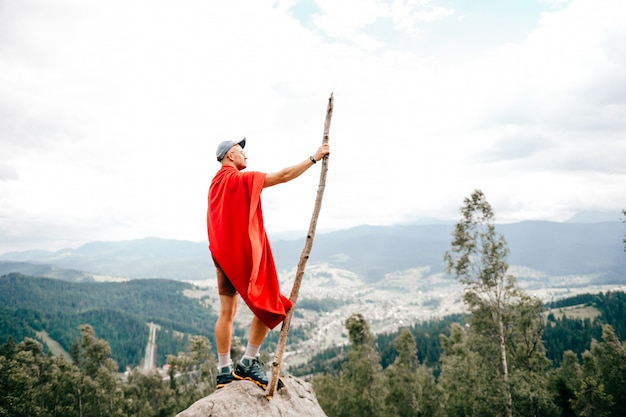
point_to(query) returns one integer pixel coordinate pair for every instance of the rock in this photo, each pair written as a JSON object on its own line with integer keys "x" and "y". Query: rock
{"x": 296, "y": 398}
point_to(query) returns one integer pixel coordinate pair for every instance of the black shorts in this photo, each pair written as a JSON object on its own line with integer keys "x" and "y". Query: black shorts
{"x": 224, "y": 286}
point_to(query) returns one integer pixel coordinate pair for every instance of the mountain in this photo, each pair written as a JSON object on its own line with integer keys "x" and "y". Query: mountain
{"x": 371, "y": 252}
{"x": 569, "y": 248}
{"x": 595, "y": 217}
{"x": 142, "y": 258}
{"x": 557, "y": 249}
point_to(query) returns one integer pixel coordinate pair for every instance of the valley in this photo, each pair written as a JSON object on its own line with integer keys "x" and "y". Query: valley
{"x": 393, "y": 275}
{"x": 400, "y": 299}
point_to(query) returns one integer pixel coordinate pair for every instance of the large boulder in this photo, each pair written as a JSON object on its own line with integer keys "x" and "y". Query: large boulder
{"x": 245, "y": 399}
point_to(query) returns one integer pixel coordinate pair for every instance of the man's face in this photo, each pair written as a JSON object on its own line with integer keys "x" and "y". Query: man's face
{"x": 238, "y": 156}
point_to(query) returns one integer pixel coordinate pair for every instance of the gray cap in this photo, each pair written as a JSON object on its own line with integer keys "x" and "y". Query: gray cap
{"x": 224, "y": 147}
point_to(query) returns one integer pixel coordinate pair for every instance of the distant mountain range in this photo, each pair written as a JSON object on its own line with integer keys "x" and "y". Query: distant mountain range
{"x": 393, "y": 275}
{"x": 555, "y": 249}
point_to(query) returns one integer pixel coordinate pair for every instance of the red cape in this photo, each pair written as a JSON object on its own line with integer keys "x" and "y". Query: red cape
{"x": 238, "y": 242}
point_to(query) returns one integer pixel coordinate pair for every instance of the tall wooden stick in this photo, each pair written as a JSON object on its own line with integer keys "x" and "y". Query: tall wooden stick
{"x": 304, "y": 257}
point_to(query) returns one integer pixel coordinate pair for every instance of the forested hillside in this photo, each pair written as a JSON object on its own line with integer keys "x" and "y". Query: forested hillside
{"x": 118, "y": 312}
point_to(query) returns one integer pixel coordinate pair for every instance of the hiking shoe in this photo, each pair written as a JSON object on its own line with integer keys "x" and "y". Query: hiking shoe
{"x": 249, "y": 369}
{"x": 225, "y": 376}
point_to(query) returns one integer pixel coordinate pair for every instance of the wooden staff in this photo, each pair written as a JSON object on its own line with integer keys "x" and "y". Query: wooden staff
{"x": 304, "y": 257}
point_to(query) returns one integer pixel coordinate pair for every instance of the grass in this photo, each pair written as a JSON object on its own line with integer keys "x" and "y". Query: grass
{"x": 54, "y": 347}
{"x": 580, "y": 311}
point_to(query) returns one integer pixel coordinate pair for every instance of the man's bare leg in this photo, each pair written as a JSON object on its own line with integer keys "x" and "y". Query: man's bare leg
{"x": 223, "y": 335}
{"x": 248, "y": 367}
{"x": 224, "y": 323}
{"x": 258, "y": 331}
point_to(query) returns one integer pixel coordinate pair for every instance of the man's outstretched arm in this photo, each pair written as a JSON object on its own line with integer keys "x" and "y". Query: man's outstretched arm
{"x": 294, "y": 171}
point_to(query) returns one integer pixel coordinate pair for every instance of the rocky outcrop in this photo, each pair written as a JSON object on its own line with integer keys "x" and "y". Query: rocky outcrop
{"x": 295, "y": 398}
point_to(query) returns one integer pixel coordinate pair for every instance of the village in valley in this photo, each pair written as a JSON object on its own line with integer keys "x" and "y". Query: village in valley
{"x": 400, "y": 299}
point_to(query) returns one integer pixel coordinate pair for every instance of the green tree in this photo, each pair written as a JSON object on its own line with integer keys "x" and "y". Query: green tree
{"x": 33, "y": 383}
{"x": 565, "y": 382}
{"x": 97, "y": 391}
{"x": 411, "y": 387}
{"x": 429, "y": 394}
{"x": 192, "y": 374}
{"x": 592, "y": 400}
{"x": 478, "y": 259}
{"x": 591, "y": 397}
{"x": 505, "y": 323}
{"x": 19, "y": 382}
{"x": 358, "y": 390}
{"x": 8, "y": 348}
{"x": 610, "y": 366}
{"x": 529, "y": 364}
{"x": 468, "y": 381}
{"x": 146, "y": 395}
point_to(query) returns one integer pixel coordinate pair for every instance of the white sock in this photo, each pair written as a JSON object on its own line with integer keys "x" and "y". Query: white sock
{"x": 223, "y": 359}
{"x": 251, "y": 351}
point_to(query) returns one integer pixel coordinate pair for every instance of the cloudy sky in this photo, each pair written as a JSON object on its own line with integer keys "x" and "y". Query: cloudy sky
{"x": 110, "y": 112}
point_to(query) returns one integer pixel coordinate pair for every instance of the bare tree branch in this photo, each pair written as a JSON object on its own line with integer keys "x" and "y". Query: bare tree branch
{"x": 304, "y": 257}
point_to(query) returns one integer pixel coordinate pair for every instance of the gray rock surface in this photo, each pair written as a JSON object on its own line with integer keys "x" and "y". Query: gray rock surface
{"x": 245, "y": 399}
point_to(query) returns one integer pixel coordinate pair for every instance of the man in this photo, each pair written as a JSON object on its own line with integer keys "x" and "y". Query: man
{"x": 243, "y": 258}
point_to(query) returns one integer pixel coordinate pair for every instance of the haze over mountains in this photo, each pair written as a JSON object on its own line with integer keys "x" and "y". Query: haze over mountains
{"x": 553, "y": 249}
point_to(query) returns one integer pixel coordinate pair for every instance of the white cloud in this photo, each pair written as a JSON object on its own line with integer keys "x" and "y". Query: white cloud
{"x": 347, "y": 21}
{"x": 110, "y": 114}
{"x": 408, "y": 14}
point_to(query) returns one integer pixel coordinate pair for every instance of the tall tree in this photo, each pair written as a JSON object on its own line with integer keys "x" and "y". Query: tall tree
{"x": 505, "y": 322}
{"x": 478, "y": 259}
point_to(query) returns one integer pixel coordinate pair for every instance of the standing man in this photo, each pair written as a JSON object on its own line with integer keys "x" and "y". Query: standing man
{"x": 243, "y": 258}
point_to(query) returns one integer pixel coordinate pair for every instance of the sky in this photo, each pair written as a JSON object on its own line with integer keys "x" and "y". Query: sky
{"x": 110, "y": 112}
